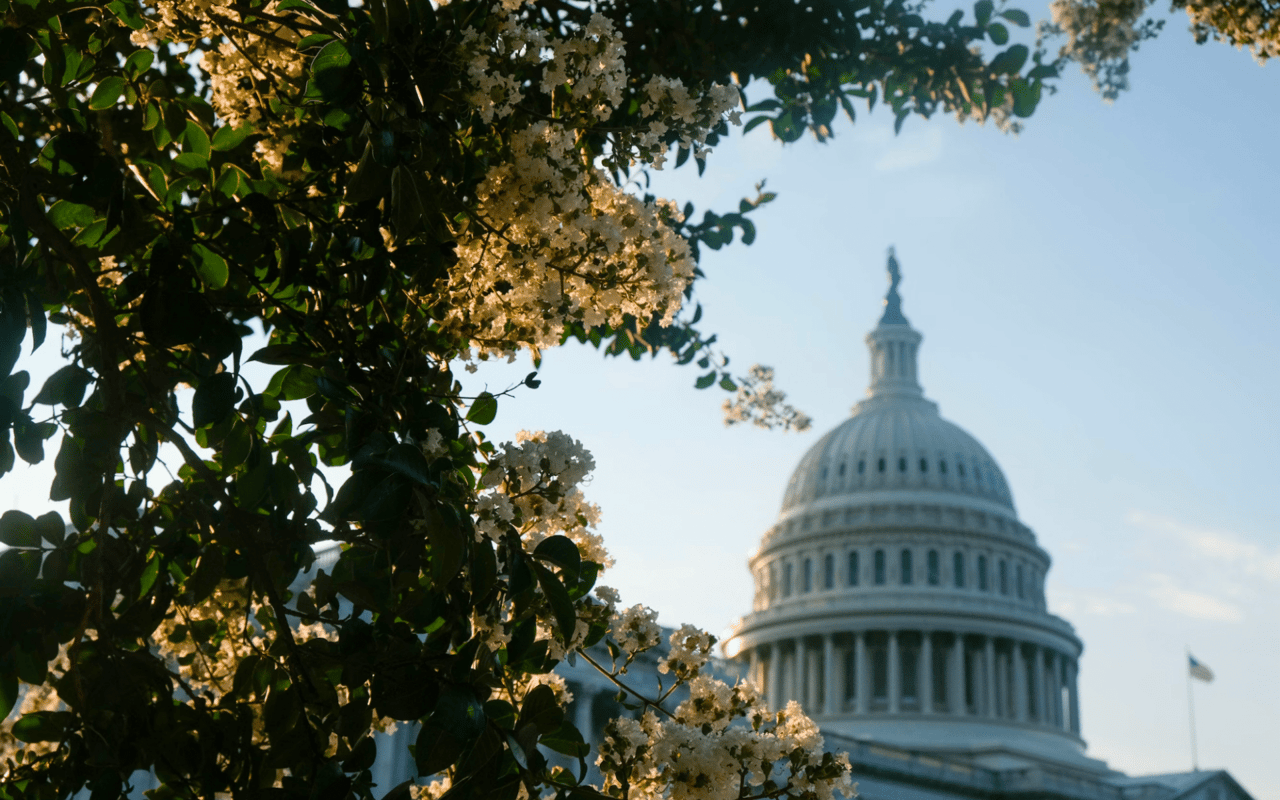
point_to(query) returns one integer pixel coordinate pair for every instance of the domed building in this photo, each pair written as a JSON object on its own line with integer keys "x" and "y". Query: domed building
{"x": 900, "y": 600}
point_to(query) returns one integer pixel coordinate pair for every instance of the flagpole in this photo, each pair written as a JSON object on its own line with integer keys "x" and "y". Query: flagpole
{"x": 1191, "y": 711}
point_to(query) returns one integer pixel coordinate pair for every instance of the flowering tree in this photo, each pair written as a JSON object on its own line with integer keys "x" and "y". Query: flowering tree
{"x": 387, "y": 192}
{"x": 1100, "y": 34}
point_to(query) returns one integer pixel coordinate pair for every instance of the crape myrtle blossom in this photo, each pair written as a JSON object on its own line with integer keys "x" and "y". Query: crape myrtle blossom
{"x": 758, "y": 402}
{"x": 554, "y": 240}
{"x": 721, "y": 743}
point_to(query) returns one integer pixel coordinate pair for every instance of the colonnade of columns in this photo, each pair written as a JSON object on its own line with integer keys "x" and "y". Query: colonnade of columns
{"x": 921, "y": 672}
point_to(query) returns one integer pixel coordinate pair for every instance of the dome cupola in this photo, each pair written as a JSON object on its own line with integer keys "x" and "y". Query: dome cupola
{"x": 898, "y": 596}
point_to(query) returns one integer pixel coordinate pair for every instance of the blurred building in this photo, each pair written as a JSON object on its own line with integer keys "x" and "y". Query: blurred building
{"x": 901, "y": 601}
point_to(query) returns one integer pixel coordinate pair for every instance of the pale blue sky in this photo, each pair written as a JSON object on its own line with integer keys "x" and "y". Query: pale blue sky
{"x": 1099, "y": 299}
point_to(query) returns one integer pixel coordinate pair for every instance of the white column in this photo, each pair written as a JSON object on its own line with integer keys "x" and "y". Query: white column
{"x": 1002, "y": 685}
{"x": 1073, "y": 689}
{"x": 989, "y": 669}
{"x": 925, "y": 672}
{"x": 801, "y": 673}
{"x": 1019, "y": 683}
{"x": 753, "y": 668}
{"x": 895, "y": 673}
{"x": 955, "y": 688}
{"x": 813, "y": 690}
{"x": 775, "y": 676}
{"x": 1055, "y": 690}
{"x": 1037, "y": 672}
{"x": 978, "y": 679}
{"x": 831, "y": 696}
{"x": 861, "y": 674}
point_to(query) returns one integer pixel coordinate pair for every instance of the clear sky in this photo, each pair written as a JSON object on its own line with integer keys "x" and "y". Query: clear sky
{"x": 1100, "y": 302}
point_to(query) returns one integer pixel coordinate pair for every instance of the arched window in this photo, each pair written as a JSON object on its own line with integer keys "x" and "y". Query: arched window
{"x": 957, "y": 569}
{"x": 842, "y": 469}
{"x": 881, "y": 465}
{"x": 924, "y": 465}
{"x": 906, "y": 568}
{"x": 960, "y": 467}
{"x": 942, "y": 466}
{"x": 786, "y": 579}
{"x": 824, "y": 473}
{"x": 879, "y": 568}
{"x": 862, "y": 465}
{"x": 902, "y": 464}
{"x": 829, "y": 571}
{"x": 1004, "y": 576}
{"x": 853, "y": 568}
{"x": 807, "y": 585}
{"x": 934, "y": 568}
{"x": 1022, "y": 587}
{"x": 982, "y": 573}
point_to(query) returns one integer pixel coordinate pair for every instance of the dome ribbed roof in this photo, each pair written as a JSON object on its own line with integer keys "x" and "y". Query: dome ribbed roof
{"x": 899, "y": 444}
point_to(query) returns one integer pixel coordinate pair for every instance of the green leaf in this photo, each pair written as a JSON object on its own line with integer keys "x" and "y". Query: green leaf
{"x": 408, "y": 460}
{"x": 1011, "y": 60}
{"x": 300, "y": 383}
{"x": 560, "y": 551}
{"x": 1017, "y": 17}
{"x": 705, "y": 380}
{"x": 191, "y": 162}
{"x": 483, "y": 410}
{"x": 67, "y": 215}
{"x": 196, "y": 140}
{"x": 233, "y": 180}
{"x": 982, "y": 11}
{"x": 149, "y": 575}
{"x": 8, "y": 693}
{"x": 212, "y": 268}
{"x": 1025, "y": 96}
{"x": 541, "y": 710}
{"x": 328, "y": 70}
{"x": 139, "y": 63}
{"x": 64, "y": 387}
{"x": 727, "y": 383}
{"x": 42, "y": 726}
{"x": 237, "y": 445}
{"x": 214, "y": 399}
{"x": 558, "y": 598}
{"x": 18, "y": 529}
{"x": 150, "y": 116}
{"x": 107, "y": 92}
{"x": 998, "y": 33}
{"x": 229, "y": 138}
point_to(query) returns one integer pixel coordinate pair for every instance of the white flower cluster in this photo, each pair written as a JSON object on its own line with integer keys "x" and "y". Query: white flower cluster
{"x": 246, "y": 69}
{"x": 1100, "y": 34}
{"x": 700, "y": 755}
{"x": 1244, "y": 23}
{"x": 532, "y": 486}
{"x": 635, "y": 630}
{"x": 554, "y": 240}
{"x": 762, "y": 405}
{"x": 558, "y": 242}
{"x": 690, "y": 650}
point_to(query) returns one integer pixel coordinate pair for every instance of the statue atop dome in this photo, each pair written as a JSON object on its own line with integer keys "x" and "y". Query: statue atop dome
{"x": 892, "y": 300}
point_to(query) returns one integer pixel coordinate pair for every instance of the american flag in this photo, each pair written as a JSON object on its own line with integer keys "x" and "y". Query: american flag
{"x": 1199, "y": 670}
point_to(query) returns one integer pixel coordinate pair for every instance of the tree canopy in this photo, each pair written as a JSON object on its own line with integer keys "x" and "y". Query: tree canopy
{"x": 367, "y": 199}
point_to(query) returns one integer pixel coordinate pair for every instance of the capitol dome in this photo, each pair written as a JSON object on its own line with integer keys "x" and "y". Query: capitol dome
{"x": 898, "y": 597}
